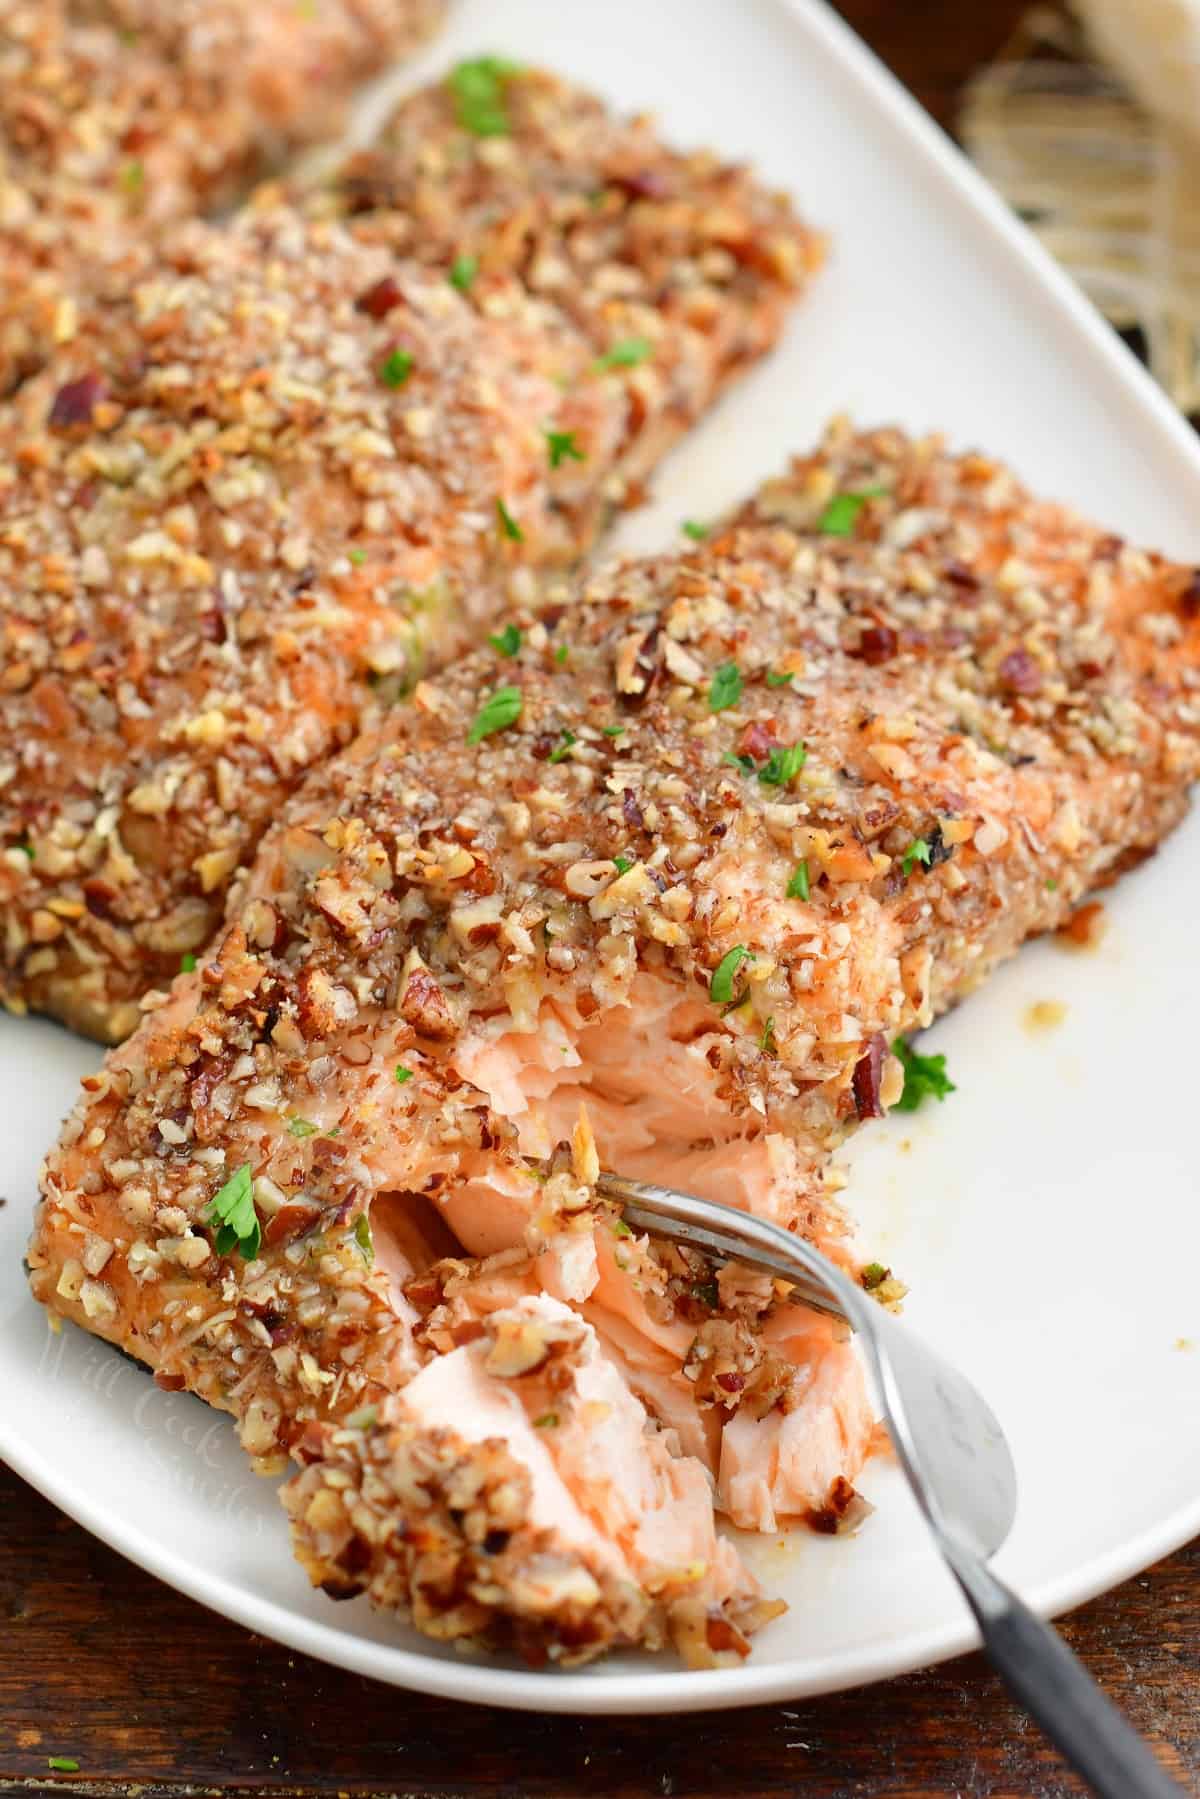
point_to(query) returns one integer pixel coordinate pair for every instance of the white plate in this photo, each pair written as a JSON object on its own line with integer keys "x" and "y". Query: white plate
{"x": 1046, "y": 1216}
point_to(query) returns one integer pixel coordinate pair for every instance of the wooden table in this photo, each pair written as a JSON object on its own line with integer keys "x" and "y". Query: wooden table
{"x": 152, "y": 1695}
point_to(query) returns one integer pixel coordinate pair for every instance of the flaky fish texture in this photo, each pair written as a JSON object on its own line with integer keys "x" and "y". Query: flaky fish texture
{"x": 660, "y": 877}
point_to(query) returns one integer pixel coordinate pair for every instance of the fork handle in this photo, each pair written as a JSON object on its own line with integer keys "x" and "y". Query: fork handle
{"x": 1057, "y": 1691}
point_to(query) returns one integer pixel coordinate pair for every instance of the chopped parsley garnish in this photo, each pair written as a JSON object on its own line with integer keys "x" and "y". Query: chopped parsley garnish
{"x": 562, "y": 749}
{"x": 499, "y": 710}
{"x": 478, "y": 90}
{"x": 620, "y": 1228}
{"x": 609, "y": 731}
{"x": 506, "y": 642}
{"x": 358, "y": 557}
{"x": 232, "y": 1211}
{"x": 463, "y": 271}
{"x": 364, "y": 1239}
{"x": 562, "y": 447}
{"x": 62, "y": 1764}
{"x": 508, "y": 524}
{"x": 693, "y": 529}
{"x": 622, "y": 864}
{"x": 874, "y": 1275}
{"x": 626, "y": 353}
{"x": 133, "y": 177}
{"x": 917, "y": 851}
{"x": 302, "y": 1127}
{"x": 547, "y": 1421}
{"x": 780, "y": 678}
{"x": 725, "y": 688}
{"x": 561, "y": 654}
{"x": 708, "y": 1293}
{"x": 782, "y": 766}
{"x": 841, "y": 515}
{"x": 744, "y": 764}
{"x": 396, "y": 369}
{"x": 797, "y": 887}
{"x": 26, "y": 849}
{"x": 1051, "y": 885}
{"x": 187, "y": 963}
{"x": 402, "y": 1074}
{"x": 922, "y": 1075}
{"x": 766, "y": 1042}
{"x": 720, "y": 988}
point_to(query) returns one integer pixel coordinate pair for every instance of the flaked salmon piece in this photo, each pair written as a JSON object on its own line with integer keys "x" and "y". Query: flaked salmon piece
{"x": 784, "y": 796}
{"x": 278, "y": 470}
{"x": 118, "y": 118}
{"x": 516, "y": 1493}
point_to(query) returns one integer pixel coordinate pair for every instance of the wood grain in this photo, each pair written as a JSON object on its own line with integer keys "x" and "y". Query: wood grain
{"x": 153, "y": 1695}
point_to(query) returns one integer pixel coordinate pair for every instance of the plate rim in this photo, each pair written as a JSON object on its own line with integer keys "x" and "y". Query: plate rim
{"x": 598, "y": 1693}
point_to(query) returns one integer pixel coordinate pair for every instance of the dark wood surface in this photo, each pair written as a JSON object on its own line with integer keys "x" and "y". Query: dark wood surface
{"x": 152, "y": 1695}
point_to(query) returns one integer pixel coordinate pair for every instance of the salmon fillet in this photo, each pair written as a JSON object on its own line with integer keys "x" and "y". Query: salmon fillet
{"x": 665, "y": 882}
{"x": 119, "y": 116}
{"x": 276, "y": 478}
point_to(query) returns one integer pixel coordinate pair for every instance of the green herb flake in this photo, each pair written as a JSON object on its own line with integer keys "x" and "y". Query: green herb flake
{"x": 366, "y": 1417}
{"x": 364, "y": 1239}
{"x": 27, "y": 849}
{"x": 797, "y": 887}
{"x": 874, "y": 1275}
{"x": 358, "y": 557}
{"x": 396, "y": 368}
{"x": 508, "y": 524}
{"x": 1051, "y": 885}
{"x": 708, "y": 1293}
{"x": 62, "y": 1764}
{"x": 232, "y": 1211}
{"x": 499, "y": 710}
{"x": 562, "y": 749}
{"x": 506, "y": 642}
{"x": 725, "y": 688}
{"x": 477, "y": 88}
{"x": 547, "y": 1421}
{"x": 133, "y": 177}
{"x": 622, "y": 864}
{"x": 609, "y": 731}
{"x": 692, "y": 528}
{"x": 766, "y": 1042}
{"x": 561, "y": 447}
{"x": 621, "y": 1229}
{"x": 302, "y": 1127}
{"x": 720, "y": 988}
{"x": 923, "y": 1075}
{"x": 561, "y": 654}
{"x": 187, "y": 963}
{"x": 780, "y": 677}
{"x": 917, "y": 851}
{"x": 782, "y": 766}
{"x": 841, "y": 515}
{"x": 403, "y": 1074}
{"x": 463, "y": 271}
{"x": 743, "y": 764}
{"x": 626, "y": 353}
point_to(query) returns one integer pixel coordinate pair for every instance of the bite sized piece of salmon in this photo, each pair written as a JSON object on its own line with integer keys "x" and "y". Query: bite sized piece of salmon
{"x": 678, "y": 265}
{"x": 692, "y": 854}
{"x": 283, "y": 475}
{"x": 118, "y": 118}
{"x": 515, "y": 1493}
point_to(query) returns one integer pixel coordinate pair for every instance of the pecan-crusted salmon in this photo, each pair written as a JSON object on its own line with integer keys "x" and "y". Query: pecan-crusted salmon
{"x": 689, "y": 858}
{"x": 279, "y": 465}
{"x": 678, "y": 265}
{"x": 119, "y": 116}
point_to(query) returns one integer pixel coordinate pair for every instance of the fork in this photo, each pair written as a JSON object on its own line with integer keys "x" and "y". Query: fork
{"x": 958, "y": 1464}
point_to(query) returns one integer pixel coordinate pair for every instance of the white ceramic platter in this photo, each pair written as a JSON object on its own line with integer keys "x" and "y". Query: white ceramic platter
{"x": 1046, "y": 1216}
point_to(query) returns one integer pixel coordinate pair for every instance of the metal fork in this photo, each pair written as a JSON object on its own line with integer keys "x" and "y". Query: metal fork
{"x": 958, "y": 1465}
